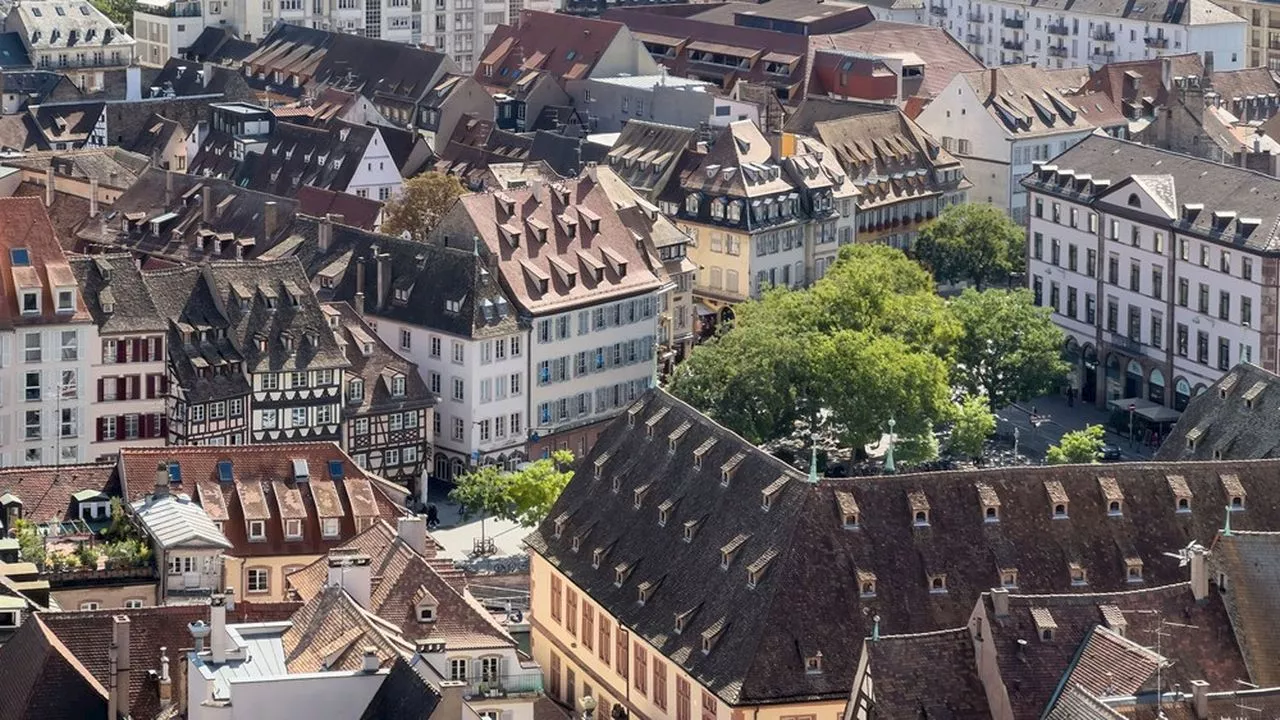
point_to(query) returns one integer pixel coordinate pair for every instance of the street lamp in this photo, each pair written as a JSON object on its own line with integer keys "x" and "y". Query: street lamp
{"x": 588, "y": 705}
{"x": 888, "y": 458}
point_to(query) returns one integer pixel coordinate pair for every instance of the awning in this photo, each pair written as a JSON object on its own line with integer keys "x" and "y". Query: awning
{"x": 703, "y": 310}
{"x": 1146, "y": 409}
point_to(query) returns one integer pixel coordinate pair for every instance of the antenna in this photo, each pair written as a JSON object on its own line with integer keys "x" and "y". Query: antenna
{"x": 1161, "y": 634}
{"x": 1240, "y": 706}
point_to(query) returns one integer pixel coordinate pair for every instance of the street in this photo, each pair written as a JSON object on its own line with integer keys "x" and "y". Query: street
{"x": 1034, "y": 442}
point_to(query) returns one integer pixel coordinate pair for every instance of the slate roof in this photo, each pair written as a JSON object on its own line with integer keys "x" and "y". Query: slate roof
{"x": 646, "y": 152}
{"x": 813, "y": 574}
{"x": 44, "y": 679}
{"x": 403, "y": 574}
{"x": 13, "y": 52}
{"x": 218, "y": 44}
{"x": 70, "y": 123}
{"x": 1237, "y": 418}
{"x": 1218, "y": 188}
{"x": 403, "y": 694}
{"x": 1192, "y": 12}
{"x": 930, "y": 675}
{"x": 1249, "y": 561}
{"x": 374, "y": 362}
{"x": 1130, "y": 82}
{"x": 66, "y": 25}
{"x": 596, "y": 262}
{"x": 477, "y": 143}
{"x": 115, "y": 278}
{"x": 355, "y": 211}
{"x": 112, "y": 167}
{"x": 35, "y": 84}
{"x": 87, "y": 635}
{"x": 259, "y": 471}
{"x": 156, "y": 134}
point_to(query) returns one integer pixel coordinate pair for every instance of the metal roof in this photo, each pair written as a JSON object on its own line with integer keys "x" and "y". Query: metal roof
{"x": 175, "y": 520}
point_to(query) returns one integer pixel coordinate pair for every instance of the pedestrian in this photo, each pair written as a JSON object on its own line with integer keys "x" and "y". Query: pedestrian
{"x": 433, "y": 516}
{"x": 1071, "y": 397}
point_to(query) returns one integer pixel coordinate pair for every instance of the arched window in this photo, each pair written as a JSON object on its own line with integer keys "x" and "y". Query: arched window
{"x": 1134, "y": 201}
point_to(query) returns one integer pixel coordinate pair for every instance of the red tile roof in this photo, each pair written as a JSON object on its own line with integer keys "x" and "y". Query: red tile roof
{"x": 257, "y": 471}
{"x": 24, "y": 224}
{"x": 563, "y": 46}
{"x": 943, "y": 57}
{"x": 46, "y": 492}
{"x": 355, "y": 211}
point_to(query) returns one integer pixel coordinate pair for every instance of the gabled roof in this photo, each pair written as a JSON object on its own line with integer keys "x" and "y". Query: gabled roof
{"x": 175, "y": 521}
{"x": 942, "y": 55}
{"x": 373, "y": 361}
{"x": 1025, "y": 102}
{"x": 562, "y": 46}
{"x": 46, "y": 491}
{"x": 113, "y": 281}
{"x": 330, "y": 632}
{"x": 43, "y": 679}
{"x": 218, "y": 44}
{"x": 818, "y": 556}
{"x": 1251, "y": 562}
{"x": 403, "y": 694}
{"x": 1237, "y": 418}
{"x": 927, "y": 675}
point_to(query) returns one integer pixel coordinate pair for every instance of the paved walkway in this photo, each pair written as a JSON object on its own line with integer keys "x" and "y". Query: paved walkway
{"x": 458, "y": 532}
{"x": 1034, "y": 441}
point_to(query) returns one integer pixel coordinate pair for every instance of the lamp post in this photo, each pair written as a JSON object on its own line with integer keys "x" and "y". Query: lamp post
{"x": 888, "y": 458}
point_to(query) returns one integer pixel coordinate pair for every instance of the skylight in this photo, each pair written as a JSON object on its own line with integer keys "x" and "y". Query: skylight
{"x": 20, "y": 257}
{"x": 224, "y": 471}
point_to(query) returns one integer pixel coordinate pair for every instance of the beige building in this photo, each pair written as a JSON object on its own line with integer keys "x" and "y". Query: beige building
{"x": 1262, "y": 39}
{"x": 68, "y": 34}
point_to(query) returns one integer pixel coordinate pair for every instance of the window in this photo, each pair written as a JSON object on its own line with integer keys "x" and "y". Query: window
{"x": 329, "y": 527}
{"x": 435, "y": 347}
{"x": 30, "y": 302}
{"x": 259, "y": 580}
{"x": 292, "y": 529}
{"x": 66, "y": 301}
{"x": 397, "y": 386}
{"x": 90, "y": 605}
{"x": 33, "y": 423}
{"x": 355, "y": 390}
{"x": 458, "y": 387}
{"x": 32, "y": 347}
{"x": 70, "y": 346}
{"x": 406, "y": 339}
{"x": 32, "y": 386}
{"x": 257, "y": 530}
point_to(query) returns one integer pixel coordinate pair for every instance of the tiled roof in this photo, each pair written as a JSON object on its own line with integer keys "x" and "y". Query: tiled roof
{"x": 355, "y": 211}
{"x": 1023, "y": 99}
{"x": 87, "y": 635}
{"x": 331, "y": 631}
{"x": 24, "y": 224}
{"x": 112, "y": 167}
{"x": 403, "y": 694}
{"x": 44, "y": 679}
{"x": 645, "y": 153}
{"x": 1077, "y": 703}
{"x": 403, "y": 575}
{"x": 943, "y": 56}
{"x": 1251, "y": 562}
{"x": 255, "y": 469}
{"x": 1237, "y": 418}
{"x": 927, "y": 675}
{"x": 563, "y": 46}
{"x": 816, "y": 568}
{"x": 114, "y": 278}
{"x": 374, "y": 362}
{"x": 1113, "y": 166}
{"x": 588, "y": 255}
{"x": 46, "y": 492}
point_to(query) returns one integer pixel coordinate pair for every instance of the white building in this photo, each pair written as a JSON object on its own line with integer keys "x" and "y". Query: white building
{"x": 45, "y": 352}
{"x": 571, "y": 267}
{"x": 186, "y": 541}
{"x": 1157, "y": 267}
{"x": 162, "y": 28}
{"x": 1058, "y": 34}
{"x": 68, "y": 34}
{"x": 612, "y": 102}
{"x": 999, "y": 121}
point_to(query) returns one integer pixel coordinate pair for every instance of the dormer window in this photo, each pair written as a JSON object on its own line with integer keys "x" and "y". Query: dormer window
{"x": 1115, "y": 509}
{"x": 673, "y": 440}
{"x": 690, "y": 530}
{"x": 866, "y": 584}
{"x": 617, "y": 485}
{"x": 355, "y": 390}
{"x": 257, "y": 530}
{"x": 426, "y": 613}
{"x": 644, "y": 591}
{"x": 919, "y": 504}
{"x": 691, "y": 204}
{"x": 639, "y": 496}
{"x": 1057, "y": 499}
{"x": 711, "y": 635}
{"x": 937, "y": 584}
{"x": 728, "y": 552}
{"x": 813, "y": 664}
{"x": 664, "y": 512}
{"x": 559, "y": 524}
{"x": 727, "y": 470}
{"x": 292, "y": 529}
{"x": 66, "y": 300}
{"x": 599, "y": 465}
{"x": 397, "y": 386}
{"x": 1078, "y": 575}
{"x": 1181, "y": 493}
{"x": 30, "y": 302}
{"x": 597, "y": 555}
{"x": 990, "y": 503}
{"x": 1133, "y": 570}
{"x": 620, "y": 573}
{"x": 921, "y": 518}
{"x": 850, "y": 515}
{"x": 652, "y": 422}
{"x": 755, "y": 571}
{"x": 1046, "y": 626}
{"x": 1059, "y": 511}
{"x": 701, "y": 452}
{"x": 770, "y": 492}
{"x": 1009, "y": 578}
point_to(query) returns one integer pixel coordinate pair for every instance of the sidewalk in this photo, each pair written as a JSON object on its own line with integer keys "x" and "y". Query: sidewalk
{"x": 457, "y": 532}
{"x": 1034, "y": 442}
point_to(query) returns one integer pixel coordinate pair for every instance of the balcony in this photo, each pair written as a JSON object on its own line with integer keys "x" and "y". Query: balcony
{"x": 976, "y": 18}
{"x": 1016, "y": 45}
{"x": 1059, "y": 51}
{"x": 937, "y": 10}
{"x": 1159, "y": 42}
{"x": 1057, "y": 29}
{"x": 523, "y": 684}
{"x": 1104, "y": 35}
{"x": 1013, "y": 23}
{"x": 973, "y": 39}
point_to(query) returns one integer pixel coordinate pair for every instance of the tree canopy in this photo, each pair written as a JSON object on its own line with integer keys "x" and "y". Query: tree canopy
{"x": 420, "y": 205}
{"x": 119, "y": 12}
{"x": 1077, "y": 447}
{"x": 973, "y": 425}
{"x": 524, "y": 496}
{"x": 1009, "y": 350}
{"x": 973, "y": 242}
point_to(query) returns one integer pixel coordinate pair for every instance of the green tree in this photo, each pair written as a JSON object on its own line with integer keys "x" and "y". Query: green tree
{"x": 119, "y": 12}
{"x": 420, "y": 205}
{"x": 1010, "y": 348}
{"x": 973, "y": 242}
{"x": 1078, "y": 447}
{"x": 30, "y": 542}
{"x": 974, "y": 423}
{"x": 524, "y": 496}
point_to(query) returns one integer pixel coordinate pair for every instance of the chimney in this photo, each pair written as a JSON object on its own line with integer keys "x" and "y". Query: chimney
{"x": 206, "y": 204}
{"x": 536, "y": 184}
{"x": 133, "y": 83}
{"x": 352, "y": 572}
{"x": 1199, "y": 574}
{"x": 168, "y": 187}
{"x": 1000, "y": 602}
{"x": 118, "y": 654}
{"x": 413, "y": 530}
{"x": 359, "y": 298}
{"x": 48, "y": 186}
{"x": 93, "y": 197}
{"x": 371, "y": 661}
{"x": 208, "y": 73}
{"x": 162, "y": 480}
{"x": 1206, "y": 81}
{"x": 384, "y": 277}
{"x": 450, "y": 698}
{"x": 199, "y": 631}
{"x": 166, "y": 683}
{"x": 270, "y": 219}
{"x": 1166, "y": 72}
{"x": 995, "y": 73}
{"x": 1200, "y": 699}
{"x": 230, "y": 594}
{"x": 325, "y": 233}
{"x": 218, "y": 628}
{"x": 592, "y": 171}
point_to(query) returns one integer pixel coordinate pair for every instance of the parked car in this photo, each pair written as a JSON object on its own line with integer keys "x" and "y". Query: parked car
{"x": 1110, "y": 453}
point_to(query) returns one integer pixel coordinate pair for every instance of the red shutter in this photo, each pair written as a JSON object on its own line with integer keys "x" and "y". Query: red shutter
{"x": 121, "y": 388}
{"x": 101, "y": 422}
{"x": 151, "y": 386}
{"x": 120, "y": 351}
{"x": 100, "y": 381}
{"x": 119, "y": 427}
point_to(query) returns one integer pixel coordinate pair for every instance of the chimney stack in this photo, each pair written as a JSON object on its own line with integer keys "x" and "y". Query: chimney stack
{"x": 413, "y": 530}
{"x": 371, "y": 661}
{"x": 132, "y": 83}
{"x": 1199, "y": 574}
{"x": 118, "y": 654}
{"x": 48, "y": 186}
{"x": 166, "y": 683}
{"x": 1200, "y": 699}
{"x": 536, "y": 184}
{"x": 168, "y": 188}
{"x": 451, "y": 698}
{"x": 270, "y": 220}
{"x": 1000, "y": 601}
{"x": 353, "y": 573}
{"x": 359, "y": 298}
{"x": 162, "y": 480}
{"x": 325, "y": 233}
{"x": 206, "y": 204}
{"x": 592, "y": 171}
{"x": 199, "y": 631}
{"x": 93, "y": 197}
{"x": 995, "y": 73}
{"x": 384, "y": 277}
{"x": 218, "y": 632}
{"x": 208, "y": 73}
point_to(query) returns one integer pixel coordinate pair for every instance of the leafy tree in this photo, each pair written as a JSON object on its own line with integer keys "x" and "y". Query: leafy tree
{"x": 973, "y": 242}
{"x": 30, "y": 542}
{"x": 1010, "y": 348}
{"x": 523, "y": 496}
{"x": 119, "y": 12}
{"x": 916, "y": 449}
{"x": 1077, "y": 447}
{"x": 420, "y": 205}
{"x": 973, "y": 425}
